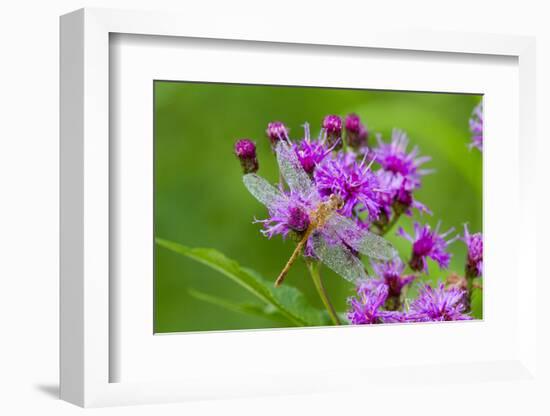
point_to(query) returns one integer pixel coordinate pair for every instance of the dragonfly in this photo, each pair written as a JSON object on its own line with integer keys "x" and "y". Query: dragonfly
{"x": 334, "y": 239}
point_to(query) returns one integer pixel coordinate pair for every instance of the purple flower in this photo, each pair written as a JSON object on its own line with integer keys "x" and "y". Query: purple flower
{"x": 332, "y": 125}
{"x": 354, "y": 182}
{"x": 276, "y": 131}
{"x": 245, "y": 150}
{"x": 393, "y": 157}
{"x": 311, "y": 152}
{"x": 439, "y": 304}
{"x": 365, "y": 308}
{"x": 474, "y": 244}
{"x": 356, "y": 132}
{"x": 397, "y": 195}
{"x": 427, "y": 243}
{"x": 288, "y": 214}
{"x": 391, "y": 273}
{"x": 476, "y": 127}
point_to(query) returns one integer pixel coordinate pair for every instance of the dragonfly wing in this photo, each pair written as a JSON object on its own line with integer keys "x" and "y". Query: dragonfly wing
{"x": 338, "y": 258}
{"x": 293, "y": 172}
{"x": 261, "y": 189}
{"x": 363, "y": 241}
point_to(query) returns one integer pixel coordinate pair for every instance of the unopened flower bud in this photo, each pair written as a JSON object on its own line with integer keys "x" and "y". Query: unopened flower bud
{"x": 474, "y": 259}
{"x": 333, "y": 127}
{"x": 245, "y": 150}
{"x": 276, "y": 131}
{"x": 356, "y": 133}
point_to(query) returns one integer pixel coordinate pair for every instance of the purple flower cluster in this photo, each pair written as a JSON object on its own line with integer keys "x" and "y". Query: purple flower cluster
{"x": 353, "y": 181}
{"x": 432, "y": 304}
{"x": 380, "y": 300}
{"x": 376, "y": 185}
{"x": 400, "y": 174}
{"x": 476, "y": 127}
{"x": 333, "y": 172}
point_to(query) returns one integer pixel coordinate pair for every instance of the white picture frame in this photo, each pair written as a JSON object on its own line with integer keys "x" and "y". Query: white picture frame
{"x": 88, "y": 306}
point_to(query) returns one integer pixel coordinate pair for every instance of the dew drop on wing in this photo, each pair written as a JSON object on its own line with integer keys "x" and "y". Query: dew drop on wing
{"x": 294, "y": 174}
{"x": 337, "y": 257}
{"x": 365, "y": 242}
{"x": 261, "y": 189}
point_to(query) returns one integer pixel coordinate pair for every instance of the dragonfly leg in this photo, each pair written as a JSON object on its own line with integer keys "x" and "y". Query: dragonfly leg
{"x": 291, "y": 260}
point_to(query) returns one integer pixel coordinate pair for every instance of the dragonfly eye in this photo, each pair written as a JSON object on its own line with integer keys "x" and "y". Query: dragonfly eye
{"x": 337, "y": 201}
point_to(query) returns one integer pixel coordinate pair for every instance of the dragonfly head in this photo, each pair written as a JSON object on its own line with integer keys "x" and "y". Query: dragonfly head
{"x": 336, "y": 202}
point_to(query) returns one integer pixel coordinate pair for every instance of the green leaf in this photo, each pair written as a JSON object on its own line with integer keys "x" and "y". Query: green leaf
{"x": 287, "y": 300}
{"x": 266, "y": 311}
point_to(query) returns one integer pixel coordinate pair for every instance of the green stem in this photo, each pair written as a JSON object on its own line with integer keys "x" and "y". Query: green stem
{"x": 389, "y": 226}
{"x": 313, "y": 268}
{"x": 469, "y": 287}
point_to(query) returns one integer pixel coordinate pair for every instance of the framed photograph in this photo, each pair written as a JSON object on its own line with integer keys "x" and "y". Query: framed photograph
{"x": 347, "y": 194}
{"x": 277, "y": 213}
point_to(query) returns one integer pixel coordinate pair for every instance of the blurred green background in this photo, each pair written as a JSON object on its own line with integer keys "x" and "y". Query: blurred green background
{"x": 200, "y": 200}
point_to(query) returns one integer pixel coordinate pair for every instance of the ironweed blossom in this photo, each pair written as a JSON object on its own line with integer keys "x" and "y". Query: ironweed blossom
{"x": 393, "y": 158}
{"x": 352, "y": 181}
{"x": 438, "y": 304}
{"x": 286, "y": 215}
{"x": 391, "y": 273}
{"x": 427, "y": 243}
{"x": 396, "y": 196}
{"x": 367, "y": 306}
